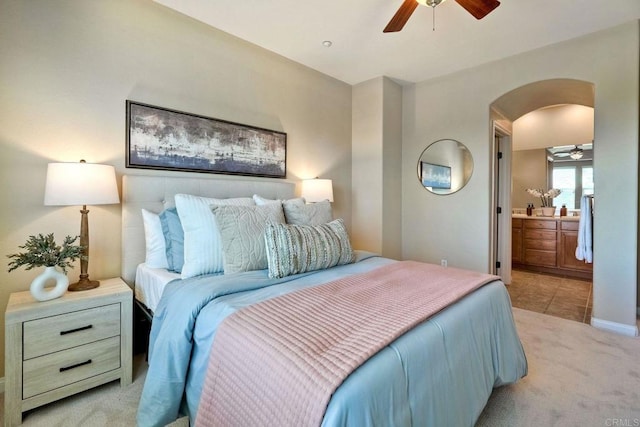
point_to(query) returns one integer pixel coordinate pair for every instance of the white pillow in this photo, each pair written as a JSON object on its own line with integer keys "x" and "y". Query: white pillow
{"x": 261, "y": 201}
{"x": 155, "y": 247}
{"x": 202, "y": 244}
{"x": 242, "y": 231}
{"x": 298, "y": 213}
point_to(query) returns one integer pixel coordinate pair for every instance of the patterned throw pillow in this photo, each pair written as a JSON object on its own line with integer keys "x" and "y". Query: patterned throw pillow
{"x": 293, "y": 249}
{"x": 298, "y": 213}
{"x": 242, "y": 232}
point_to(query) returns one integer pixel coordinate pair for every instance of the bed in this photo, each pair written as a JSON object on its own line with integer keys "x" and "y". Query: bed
{"x": 440, "y": 372}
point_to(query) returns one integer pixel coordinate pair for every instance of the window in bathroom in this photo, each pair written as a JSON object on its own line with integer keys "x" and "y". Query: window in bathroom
{"x": 574, "y": 180}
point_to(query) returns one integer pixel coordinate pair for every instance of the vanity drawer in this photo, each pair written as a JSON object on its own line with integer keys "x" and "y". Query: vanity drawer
{"x": 56, "y": 370}
{"x": 540, "y": 224}
{"x": 542, "y": 258}
{"x": 545, "y": 245}
{"x": 570, "y": 225}
{"x": 55, "y": 333}
{"x": 540, "y": 235}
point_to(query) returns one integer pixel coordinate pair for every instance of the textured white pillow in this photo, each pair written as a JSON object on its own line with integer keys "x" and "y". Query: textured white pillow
{"x": 261, "y": 201}
{"x": 298, "y": 213}
{"x": 242, "y": 231}
{"x": 293, "y": 249}
{"x": 155, "y": 248}
{"x": 202, "y": 245}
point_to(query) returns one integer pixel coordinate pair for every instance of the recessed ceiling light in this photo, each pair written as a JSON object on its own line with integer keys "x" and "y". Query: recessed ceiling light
{"x": 327, "y": 43}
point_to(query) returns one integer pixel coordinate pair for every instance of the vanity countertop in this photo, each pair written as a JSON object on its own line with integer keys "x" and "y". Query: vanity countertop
{"x": 547, "y": 218}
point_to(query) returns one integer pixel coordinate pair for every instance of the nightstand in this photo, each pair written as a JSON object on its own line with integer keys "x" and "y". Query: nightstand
{"x": 57, "y": 348}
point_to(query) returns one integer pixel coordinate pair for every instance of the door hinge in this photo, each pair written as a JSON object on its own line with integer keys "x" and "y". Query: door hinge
{"x": 499, "y": 155}
{"x": 497, "y": 264}
{"x": 499, "y": 210}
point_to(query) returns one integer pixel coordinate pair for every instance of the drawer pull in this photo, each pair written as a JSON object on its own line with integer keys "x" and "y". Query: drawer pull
{"x": 66, "y": 368}
{"x": 70, "y": 331}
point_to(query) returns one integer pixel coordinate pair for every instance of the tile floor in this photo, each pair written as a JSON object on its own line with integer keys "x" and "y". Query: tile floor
{"x": 557, "y": 296}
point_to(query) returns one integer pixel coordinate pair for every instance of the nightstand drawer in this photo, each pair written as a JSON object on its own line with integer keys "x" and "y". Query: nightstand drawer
{"x": 55, "y": 333}
{"x": 56, "y": 370}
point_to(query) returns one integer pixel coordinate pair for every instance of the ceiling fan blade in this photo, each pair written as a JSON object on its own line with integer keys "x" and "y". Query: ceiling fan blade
{"x": 401, "y": 17}
{"x": 479, "y": 8}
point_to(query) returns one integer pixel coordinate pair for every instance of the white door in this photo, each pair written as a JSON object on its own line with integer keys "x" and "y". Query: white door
{"x": 502, "y": 204}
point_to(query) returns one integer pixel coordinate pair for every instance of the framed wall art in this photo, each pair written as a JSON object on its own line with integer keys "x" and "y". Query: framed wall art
{"x": 435, "y": 176}
{"x": 160, "y": 138}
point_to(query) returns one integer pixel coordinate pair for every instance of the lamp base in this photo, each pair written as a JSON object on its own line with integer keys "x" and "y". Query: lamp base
{"x": 83, "y": 285}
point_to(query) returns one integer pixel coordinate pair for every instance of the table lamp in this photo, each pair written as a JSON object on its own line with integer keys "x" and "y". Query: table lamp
{"x": 317, "y": 190}
{"x": 83, "y": 184}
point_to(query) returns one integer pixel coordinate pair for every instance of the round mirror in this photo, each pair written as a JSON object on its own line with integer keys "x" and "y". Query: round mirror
{"x": 445, "y": 166}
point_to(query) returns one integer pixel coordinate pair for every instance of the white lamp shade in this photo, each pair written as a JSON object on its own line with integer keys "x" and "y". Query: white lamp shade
{"x": 80, "y": 184}
{"x": 317, "y": 190}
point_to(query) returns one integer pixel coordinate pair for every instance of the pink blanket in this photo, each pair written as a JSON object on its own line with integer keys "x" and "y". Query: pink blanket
{"x": 278, "y": 362}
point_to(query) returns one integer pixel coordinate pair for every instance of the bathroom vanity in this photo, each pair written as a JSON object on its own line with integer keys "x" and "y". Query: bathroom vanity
{"x": 547, "y": 245}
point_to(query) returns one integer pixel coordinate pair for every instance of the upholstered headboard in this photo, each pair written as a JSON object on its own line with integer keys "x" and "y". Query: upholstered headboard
{"x": 156, "y": 193}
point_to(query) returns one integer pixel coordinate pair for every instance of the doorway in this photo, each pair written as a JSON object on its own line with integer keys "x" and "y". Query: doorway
{"x": 504, "y": 112}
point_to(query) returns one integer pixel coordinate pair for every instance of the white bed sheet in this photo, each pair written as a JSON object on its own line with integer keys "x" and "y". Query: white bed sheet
{"x": 150, "y": 283}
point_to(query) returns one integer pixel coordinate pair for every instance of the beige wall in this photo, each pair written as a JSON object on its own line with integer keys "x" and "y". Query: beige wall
{"x": 67, "y": 68}
{"x": 391, "y": 167}
{"x": 553, "y": 126}
{"x": 366, "y": 147}
{"x": 547, "y": 127}
{"x": 457, "y": 107}
{"x": 376, "y": 179}
{"x": 528, "y": 170}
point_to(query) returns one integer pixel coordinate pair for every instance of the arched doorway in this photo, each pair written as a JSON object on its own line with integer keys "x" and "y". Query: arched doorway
{"x": 506, "y": 110}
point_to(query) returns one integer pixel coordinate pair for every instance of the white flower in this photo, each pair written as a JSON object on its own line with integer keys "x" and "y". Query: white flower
{"x": 534, "y": 192}
{"x": 546, "y": 198}
{"x": 554, "y": 192}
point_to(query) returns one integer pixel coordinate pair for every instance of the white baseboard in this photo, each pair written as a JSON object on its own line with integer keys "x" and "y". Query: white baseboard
{"x": 618, "y": 328}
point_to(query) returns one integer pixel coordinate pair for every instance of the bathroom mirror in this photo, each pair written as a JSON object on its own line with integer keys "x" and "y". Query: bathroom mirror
{"x": 445, "y": 166}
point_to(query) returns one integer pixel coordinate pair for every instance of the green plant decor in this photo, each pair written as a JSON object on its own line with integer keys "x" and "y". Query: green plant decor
{"x": 42, "y": 251}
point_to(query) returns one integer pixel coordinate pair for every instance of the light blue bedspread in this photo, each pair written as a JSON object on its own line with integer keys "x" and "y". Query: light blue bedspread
{"x": 440, "y": 373}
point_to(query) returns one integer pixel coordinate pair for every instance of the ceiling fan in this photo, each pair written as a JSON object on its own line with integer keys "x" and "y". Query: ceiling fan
{"x": 575, "y": 153}
{"x": 478, "y": 8}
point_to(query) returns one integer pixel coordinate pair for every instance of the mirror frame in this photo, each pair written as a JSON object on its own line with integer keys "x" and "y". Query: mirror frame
{"x": 446, "y": 169}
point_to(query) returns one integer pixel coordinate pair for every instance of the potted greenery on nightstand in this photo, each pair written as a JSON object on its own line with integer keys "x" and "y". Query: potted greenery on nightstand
{"x": 42, "y": 251}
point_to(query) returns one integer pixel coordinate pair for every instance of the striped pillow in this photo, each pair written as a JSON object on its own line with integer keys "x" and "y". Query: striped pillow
{"x": 293, "y": 249}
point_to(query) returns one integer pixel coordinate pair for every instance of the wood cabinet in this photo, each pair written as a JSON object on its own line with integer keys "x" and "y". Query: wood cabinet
{"x": 540, "y": 242}
{"x": 60, "y": 347}
{"x": 516, "y": 240}
{"x": 568, "y": 245}
{"x": 547, "y": 245}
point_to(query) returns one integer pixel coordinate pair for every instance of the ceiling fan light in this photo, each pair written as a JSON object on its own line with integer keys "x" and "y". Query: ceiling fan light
{"x": 430, "y": 3}
{"x": 576, "y": 155}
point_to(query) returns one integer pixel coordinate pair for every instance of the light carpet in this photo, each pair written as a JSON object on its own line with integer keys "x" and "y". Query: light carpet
{"x": 578, "y": 376}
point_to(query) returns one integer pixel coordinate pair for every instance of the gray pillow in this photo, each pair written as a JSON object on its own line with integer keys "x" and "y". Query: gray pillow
{"x": 298, "y": 213}
{"x": 293, "y": 249}
{"x": 242, "y": 234}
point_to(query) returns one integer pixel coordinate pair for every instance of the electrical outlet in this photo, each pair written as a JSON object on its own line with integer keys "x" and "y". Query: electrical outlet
{"x": 443, "y": 262}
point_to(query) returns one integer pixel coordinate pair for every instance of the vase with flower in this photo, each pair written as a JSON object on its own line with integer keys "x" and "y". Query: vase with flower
{"x": 42, "y": 251}
{"x": 546, "y": 199}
